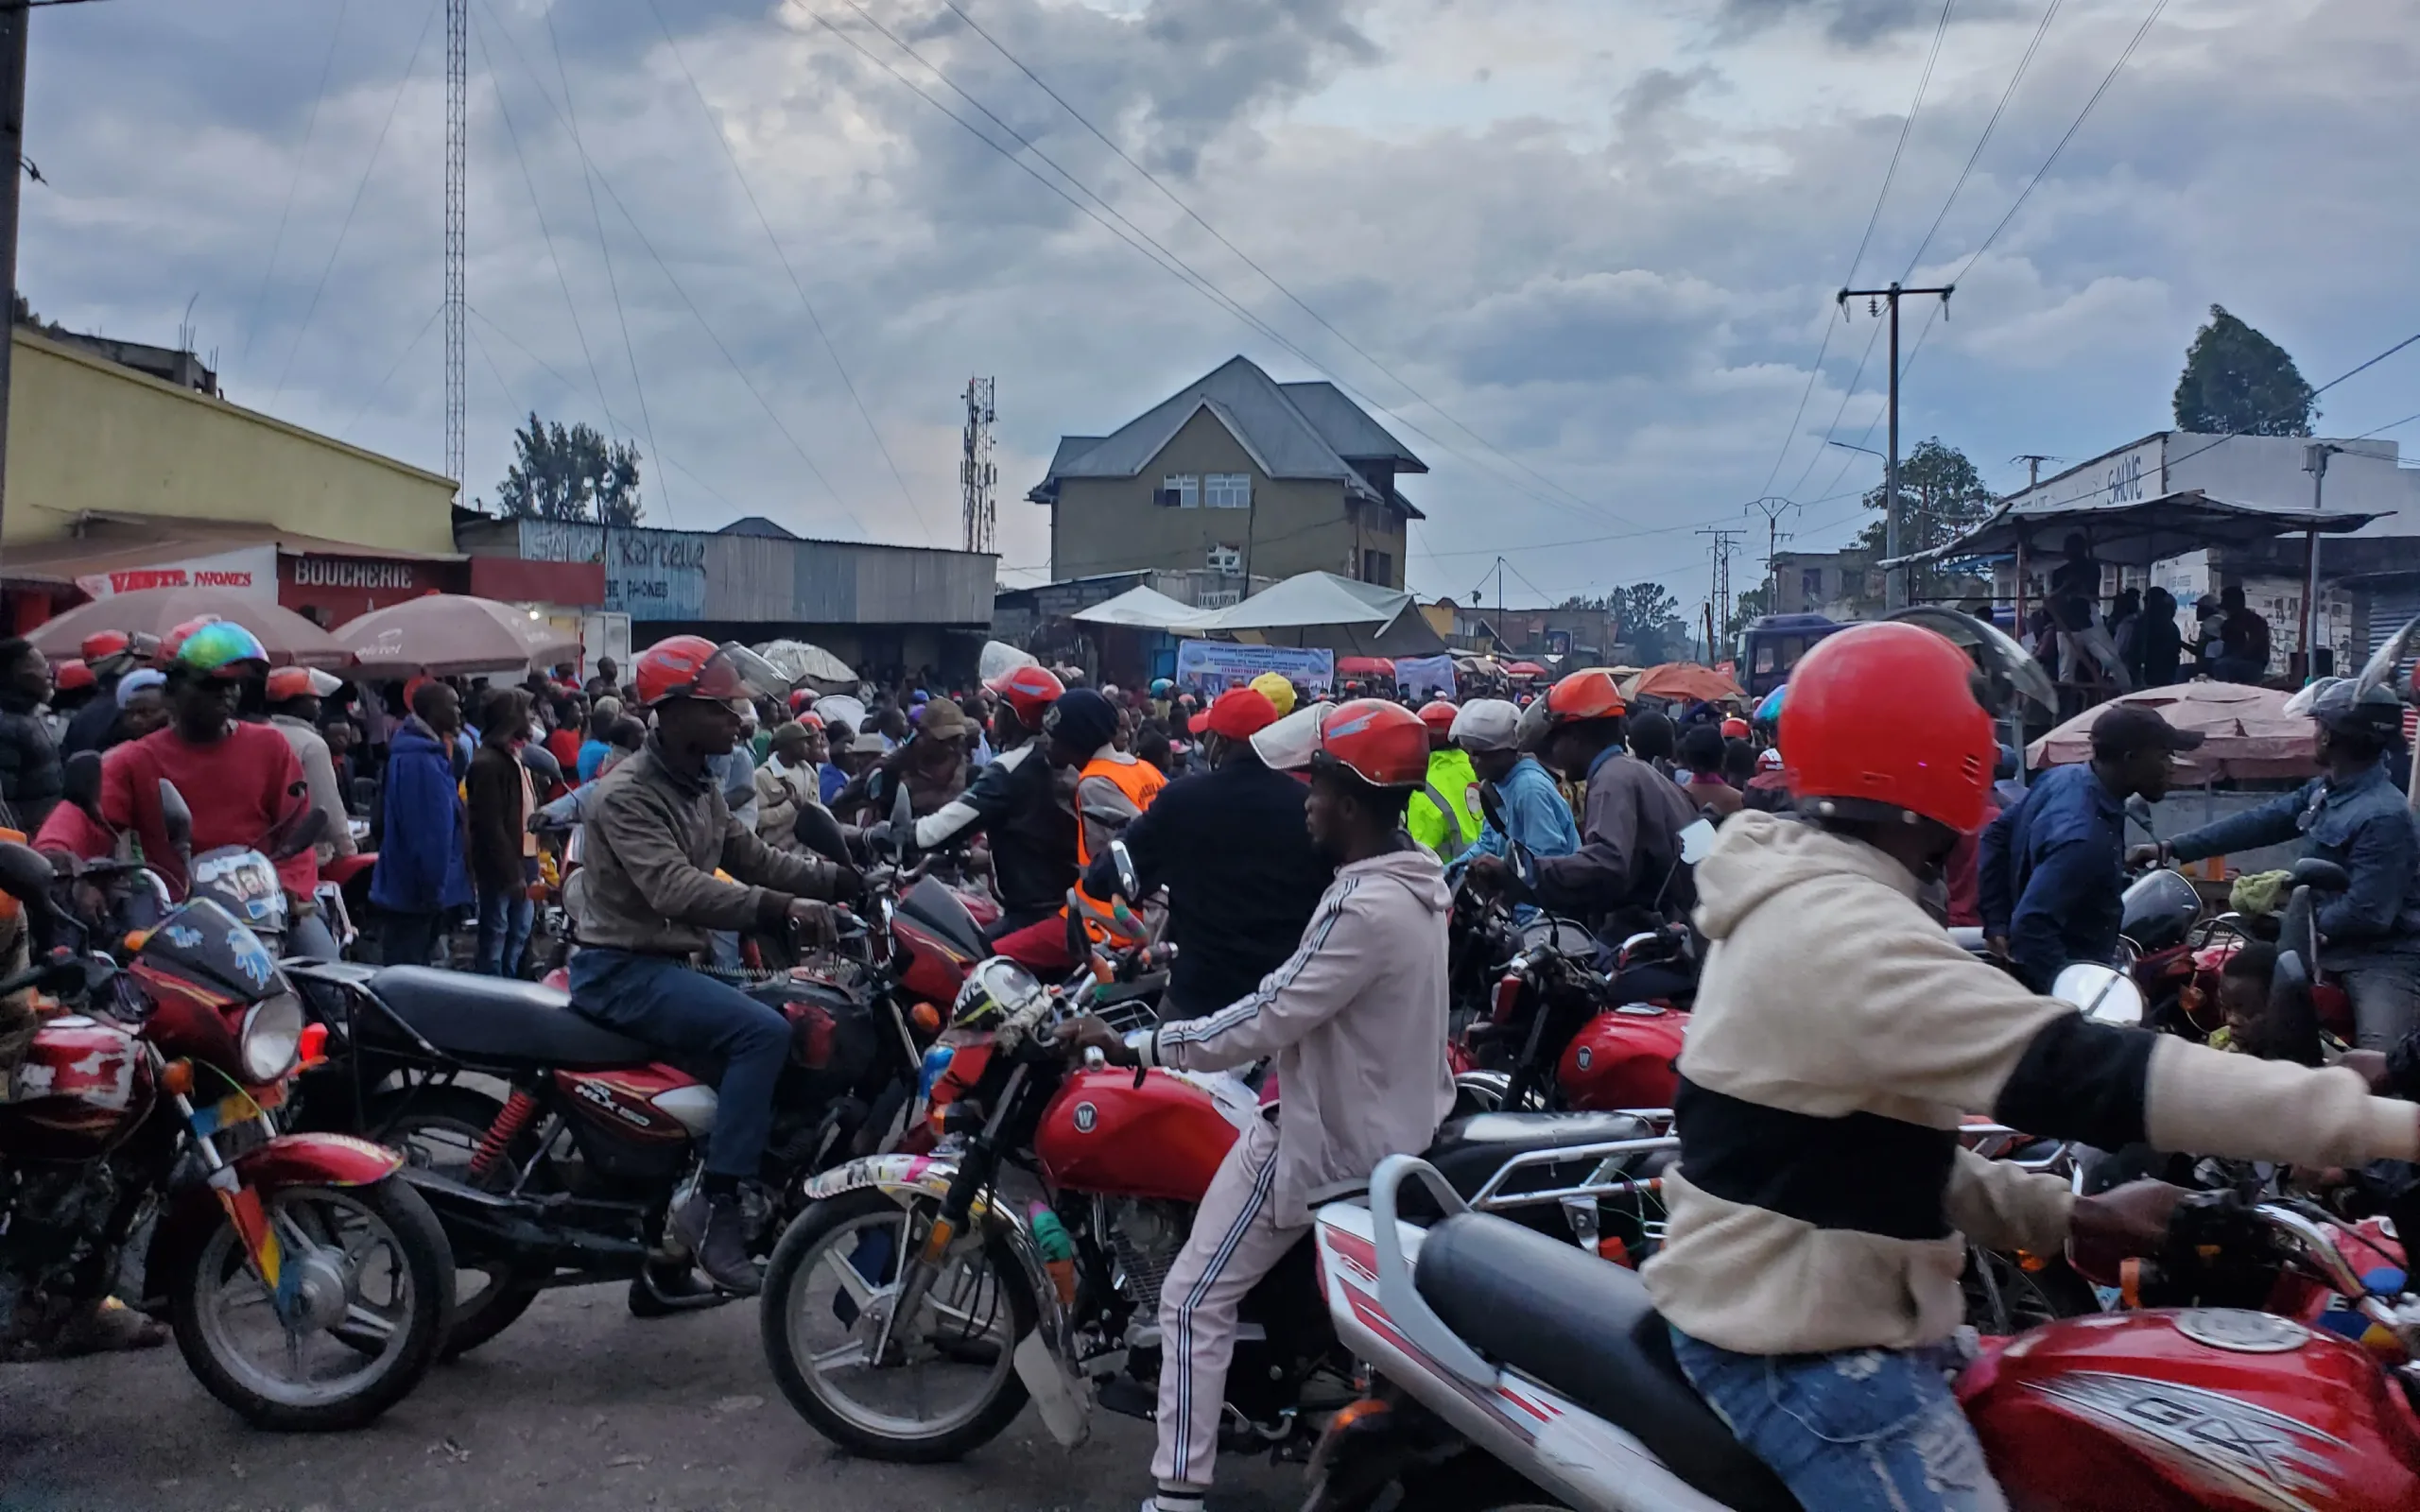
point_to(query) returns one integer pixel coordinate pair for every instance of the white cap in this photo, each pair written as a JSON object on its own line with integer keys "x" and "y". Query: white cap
{"x": 1485, "y": 724}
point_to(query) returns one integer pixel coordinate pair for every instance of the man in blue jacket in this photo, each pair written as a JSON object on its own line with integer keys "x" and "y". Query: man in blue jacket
{"x": 2357, "y": 818}
{"x": 421, "y": 872}
{"x": 1534, "y": 812}
{"x": 2049, "y": 873}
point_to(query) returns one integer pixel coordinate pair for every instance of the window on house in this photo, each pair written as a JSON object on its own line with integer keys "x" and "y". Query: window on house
{"x": 1810, "y": 585}
{"x": 1227, "y": 490}
{"x": 1226, "y": 560}
{"x": 1181, "y": 489}
{"x": 1378, "y": 567}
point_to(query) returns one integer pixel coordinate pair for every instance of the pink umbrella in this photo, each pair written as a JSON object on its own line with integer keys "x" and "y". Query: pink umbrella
{"x": 446, "y": 633}
{"x": 2246, "y": 732}
{"x": 286, "y": 635}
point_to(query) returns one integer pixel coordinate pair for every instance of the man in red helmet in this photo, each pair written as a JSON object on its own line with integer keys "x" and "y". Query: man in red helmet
{"x": 657, "y": 829}
{"x": 1839, "y": 1028}
{"x": 111, "y": 654}
{"x": 1356, "y": 1023}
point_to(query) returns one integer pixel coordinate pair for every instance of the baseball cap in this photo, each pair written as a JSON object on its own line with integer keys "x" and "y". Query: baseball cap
{"x": 1239, "y": 714}
{"x": 1485, "y": 724}
{"x": 2124, "y": 728}
{"x": 944, "y": 720}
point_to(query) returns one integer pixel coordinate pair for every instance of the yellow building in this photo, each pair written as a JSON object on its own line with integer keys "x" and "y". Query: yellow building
{"x": 88, "y": 436}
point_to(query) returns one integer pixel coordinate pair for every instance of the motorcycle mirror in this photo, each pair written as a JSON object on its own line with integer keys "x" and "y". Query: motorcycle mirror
{"x": 1696, "y": 841}
{"x": 2378, "y": 672}
{"x": 1080, "y": 945}
{"x": 1490, "y": 805}
{"x": 2138, "y": 809}
{"x": 307, "y": 831}
{"x": 2008, "y": 670}
{"x": 2320, "y": 876}
{"x": 27, "y": 876}
{"x": 2103, "y": 994}
{"x": 1524, "y": 866}
{"x": 177, "y": 818}
{"x": 903, "y": 812}
{"x": 81, "y": 779}
{"x": 1130, "y": 881}
{"x": 816, "y": 829}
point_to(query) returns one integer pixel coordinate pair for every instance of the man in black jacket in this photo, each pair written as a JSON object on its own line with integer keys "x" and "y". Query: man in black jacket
{"x": 1243, "y": 877}
{"x": 1021, "y": 802}
{"x": 31, "y": 776}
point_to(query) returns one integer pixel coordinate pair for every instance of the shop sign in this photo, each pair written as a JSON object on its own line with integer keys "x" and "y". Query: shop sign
{"x": 245, "y": 570}
{"x": 649, "y": 574}
{"x": 359, "y": 573}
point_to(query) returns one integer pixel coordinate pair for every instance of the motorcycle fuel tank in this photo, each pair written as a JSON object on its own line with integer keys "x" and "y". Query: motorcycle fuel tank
{"x": 638, "y": 1102}
{"x": 1162, "y": 1139}
{"x": 1622, "y": 1058}
{"x": 82, "y": 1084}
{"x": 2193, "y": 1410}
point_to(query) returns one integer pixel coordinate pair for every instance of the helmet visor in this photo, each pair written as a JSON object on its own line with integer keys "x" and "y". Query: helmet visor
{"x": 1288, "y": 745}
{"x": 2378, "y": 672}
{"x": 2009, "y": 672}
{"x": 736, "y": 673}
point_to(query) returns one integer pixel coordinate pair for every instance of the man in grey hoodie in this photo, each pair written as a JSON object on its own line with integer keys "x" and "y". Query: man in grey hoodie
{"x": 1355, "y": 1023}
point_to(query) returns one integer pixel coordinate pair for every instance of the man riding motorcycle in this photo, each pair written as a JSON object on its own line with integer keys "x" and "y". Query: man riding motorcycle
{"x": 1837, "y": 1029}
{"x": 1111, "y": 788}
{"x": 657, "y": 829}
{"x": 1021, "y": 801}
{"x": 1443, "y": 818}
{"x": 1356, "y": 1020}
{"x": 2356, "y": 817}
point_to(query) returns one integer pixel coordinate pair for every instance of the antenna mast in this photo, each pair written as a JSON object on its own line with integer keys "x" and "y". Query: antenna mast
{"x": 978, "y": 479}
{"x": 457, "y": 98}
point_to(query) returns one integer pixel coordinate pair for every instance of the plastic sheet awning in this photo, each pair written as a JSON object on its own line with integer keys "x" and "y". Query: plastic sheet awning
{"x": 2139, "y": 533}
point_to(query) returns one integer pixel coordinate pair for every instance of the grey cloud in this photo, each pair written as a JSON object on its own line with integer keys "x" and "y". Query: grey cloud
{"x": 1849, "y": 23}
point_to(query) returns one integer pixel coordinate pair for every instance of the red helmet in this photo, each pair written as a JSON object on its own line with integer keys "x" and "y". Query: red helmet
{"x": 691, "y": 667}
{"x": 103, "y": 643}
{"x": 1590, "y": 693}
{"x": 1029, "y": 690}
{"x": 1437, "y": 714}
{"x": 1735, "y": 729}
{"x": 802, "y": 700}
{"x": 73, "y": 674}
{"x": 296, "y": 682}
{"x": 1381, "y": 742}
{"x": 1882, "y": 721}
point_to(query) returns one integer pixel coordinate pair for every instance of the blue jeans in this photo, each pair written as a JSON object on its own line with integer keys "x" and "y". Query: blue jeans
{"x": 663, "y": 1002}
{"x": 505, "y": 917}
{"x": 1861, "y": 1431}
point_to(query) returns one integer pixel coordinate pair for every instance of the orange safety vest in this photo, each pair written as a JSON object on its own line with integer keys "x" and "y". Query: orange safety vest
{"x": 1139, "y": 781}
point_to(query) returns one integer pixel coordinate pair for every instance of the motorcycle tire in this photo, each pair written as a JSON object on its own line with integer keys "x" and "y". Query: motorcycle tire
{"x": 458, "y": 1113}
{"x": 420, "y": 1246}
{"x": 784, "y": 1277}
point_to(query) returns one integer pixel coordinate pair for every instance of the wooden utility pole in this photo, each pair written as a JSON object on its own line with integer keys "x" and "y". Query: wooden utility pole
{"x": 1894, "y": 585}
{"x": 14, "y": 16}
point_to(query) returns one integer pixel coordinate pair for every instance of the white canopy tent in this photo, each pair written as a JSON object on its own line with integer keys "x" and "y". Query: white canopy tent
{"x": 1144, "y": 609}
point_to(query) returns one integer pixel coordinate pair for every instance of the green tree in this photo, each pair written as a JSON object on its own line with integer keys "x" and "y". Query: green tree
{"x": 1746, "y": 610}
{"x": 1940, "y": 497}
{"x": 572, "y": 474}
{"x": 2238, "y": 382}
{"x": 1647, "y": 618}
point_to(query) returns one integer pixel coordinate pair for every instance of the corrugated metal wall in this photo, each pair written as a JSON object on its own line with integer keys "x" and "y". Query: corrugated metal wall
{"x": 767, "y": 580}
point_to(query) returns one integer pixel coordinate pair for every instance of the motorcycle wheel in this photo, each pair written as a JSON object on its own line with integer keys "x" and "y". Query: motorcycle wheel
{"x": 374, "y": 1264}
{"x": 436, "y": 1129}
{"x": 822, "y": 1314}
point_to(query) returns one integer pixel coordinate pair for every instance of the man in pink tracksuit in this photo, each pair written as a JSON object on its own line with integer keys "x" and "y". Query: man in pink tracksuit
{"x": 1356, "y": 1023}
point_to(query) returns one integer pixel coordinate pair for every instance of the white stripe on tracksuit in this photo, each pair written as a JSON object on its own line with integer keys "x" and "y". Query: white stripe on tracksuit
{"x": 1234, "y": 1242}
{"x": 1314, "y": 936}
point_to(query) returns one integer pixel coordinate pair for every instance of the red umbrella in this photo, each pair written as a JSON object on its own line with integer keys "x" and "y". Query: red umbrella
{"x": 1368, "y": 666}
{"x": 446, "y": 633}
{"x": 1523, "y": 669}
{"x": 286, "y": 635}
{"x": 2245, "y": 732}
{"x": 1684, "y": 682}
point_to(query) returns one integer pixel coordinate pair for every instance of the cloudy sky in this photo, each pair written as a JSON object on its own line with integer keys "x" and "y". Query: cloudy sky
{"x": 1580, "y": 254}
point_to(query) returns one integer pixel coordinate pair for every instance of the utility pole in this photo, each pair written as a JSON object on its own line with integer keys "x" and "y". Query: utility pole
{"x": 1718, "y": 597}
{"x": 2315, "y": 463}
{"x": 15, "y": 15}
{"x": 1895, "y": 587}
{"x": 2032, "y": 461}
{"x": 978, "y": 479}
{"x": 457, "y": 144}
{"x": 1773, "y": 507}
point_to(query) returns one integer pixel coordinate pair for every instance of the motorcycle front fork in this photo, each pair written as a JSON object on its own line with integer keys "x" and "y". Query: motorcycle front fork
{"x": 263, "y": 1254}
{"x": 924, "y": 1263}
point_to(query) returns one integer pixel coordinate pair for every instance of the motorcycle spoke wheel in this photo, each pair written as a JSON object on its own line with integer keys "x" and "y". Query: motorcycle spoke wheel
{"x": 340, "y": 1331}
{"x": 438, "y": 1129}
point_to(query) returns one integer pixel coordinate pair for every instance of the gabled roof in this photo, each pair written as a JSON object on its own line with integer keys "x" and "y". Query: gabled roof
{"x": 1291, "y": 431}
{"x": 756, "y": 525}
{"x": 1349, "y": 428}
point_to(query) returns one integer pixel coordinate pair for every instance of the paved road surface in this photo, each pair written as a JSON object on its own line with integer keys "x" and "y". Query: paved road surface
{"x": 577, "y": 1408}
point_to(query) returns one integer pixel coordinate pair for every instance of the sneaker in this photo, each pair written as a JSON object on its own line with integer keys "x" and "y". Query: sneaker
{"x": 713, "y": 1230}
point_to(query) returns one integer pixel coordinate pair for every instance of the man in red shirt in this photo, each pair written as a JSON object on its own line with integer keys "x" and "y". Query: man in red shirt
{"x": 240, "y": 780}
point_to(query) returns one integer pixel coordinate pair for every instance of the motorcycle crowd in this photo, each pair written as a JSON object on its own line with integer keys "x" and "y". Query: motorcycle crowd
{"x": 1470, "y": 1102}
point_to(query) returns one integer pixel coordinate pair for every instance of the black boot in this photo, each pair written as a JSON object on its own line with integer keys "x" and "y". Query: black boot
{"x": 711, "y": 1227}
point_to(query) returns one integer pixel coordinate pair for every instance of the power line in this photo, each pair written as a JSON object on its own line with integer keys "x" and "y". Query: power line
{"x": 1846, "y": 394}
{"x": 392, "y": 368}
{"x": 1146, "y": 244}
{"x": 1989, "y": 127}
{"x": 310, "y": 127}
{"x": 696, "y": 314}
{"x": 604, "y": 247}
{"x": 1247, "y": 258}
{"x": 817, "y": 321}
{"x": 367, "y": 168}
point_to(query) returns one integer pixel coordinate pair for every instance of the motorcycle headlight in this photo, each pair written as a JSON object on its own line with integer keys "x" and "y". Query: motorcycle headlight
{"x": 271, "y": 1040}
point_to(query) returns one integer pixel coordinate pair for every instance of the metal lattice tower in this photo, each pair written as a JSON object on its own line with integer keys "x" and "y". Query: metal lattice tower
{"x": 457, "y": 98}
{"x": 978, "y": 479}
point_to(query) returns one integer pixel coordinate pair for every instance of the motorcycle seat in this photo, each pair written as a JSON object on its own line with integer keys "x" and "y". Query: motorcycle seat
{"x": 493, "y": 1021}
{"x": 1585, "y": 1328}
{"x": 1470, "y": 1150}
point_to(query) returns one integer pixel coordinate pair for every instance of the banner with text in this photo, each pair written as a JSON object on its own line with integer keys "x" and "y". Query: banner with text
{"x": 1209, "y": 668}
{"x": 1418, "y": 677}
{"x": 245, "y": 570}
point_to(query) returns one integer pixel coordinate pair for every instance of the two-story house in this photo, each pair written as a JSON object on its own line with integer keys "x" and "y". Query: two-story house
{"x": 1235, "y": 473}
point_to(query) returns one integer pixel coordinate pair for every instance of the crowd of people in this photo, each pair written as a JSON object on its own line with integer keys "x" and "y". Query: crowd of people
{"x": 2136, "y": 639}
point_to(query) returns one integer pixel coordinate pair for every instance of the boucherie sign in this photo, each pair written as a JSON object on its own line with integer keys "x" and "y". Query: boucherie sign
{"x": 245, "y": 570}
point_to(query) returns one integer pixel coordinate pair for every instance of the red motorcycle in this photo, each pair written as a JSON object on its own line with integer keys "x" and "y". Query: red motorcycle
{"x": 1511, "y": 1370}
{"x": 307, "y": 1282}
{"x": 918, "y": 1302}
{"x": 1549, "y": 1039}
